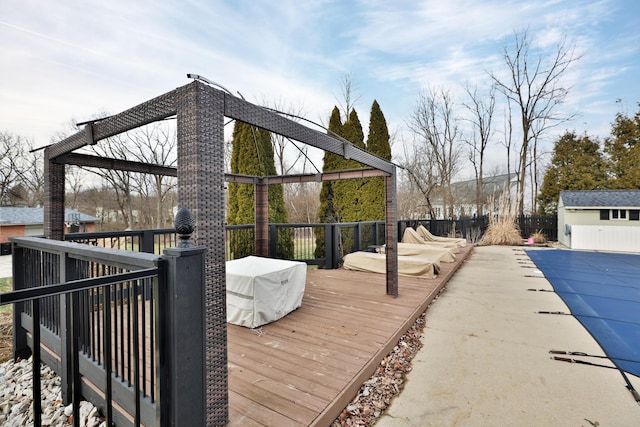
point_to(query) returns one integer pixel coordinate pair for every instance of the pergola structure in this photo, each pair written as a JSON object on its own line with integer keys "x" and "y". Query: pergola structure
{"x": 200, "y": 110}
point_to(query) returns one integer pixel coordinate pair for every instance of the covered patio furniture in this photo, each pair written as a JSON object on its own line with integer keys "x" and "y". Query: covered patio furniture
{"x": 411, "y": 236}
{"x": 426, "y": 235}
{"x": 262, "y": 290}
{"x": 423, "y": 251}
{"x": 407, "y": 265}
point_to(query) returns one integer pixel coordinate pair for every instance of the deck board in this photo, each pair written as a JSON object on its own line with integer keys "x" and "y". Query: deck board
{"x": 303, "y": 369}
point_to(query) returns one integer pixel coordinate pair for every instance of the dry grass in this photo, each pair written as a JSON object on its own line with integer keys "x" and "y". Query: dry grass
{"x": 6, "y": 336}
{"x": 6, "y": 323}
{"x": 538, "y": 238}
{"x": 503, "y": 229}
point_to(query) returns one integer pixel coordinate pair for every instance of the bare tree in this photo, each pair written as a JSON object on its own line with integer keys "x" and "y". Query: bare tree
{"x": 29, "y": 168}
{"x": 534, "y": 84}
{"x": 120, "y": 181}
{"x": 154, "y": 144}
{"x": 434, "y": 121}
{"x": 349, "y": 94}
{"x": 415, "y": 193}
{"x": 302, "y": 202}
{"x": 507, "y": 141}
{"x": 481, "y": 110}
{"x": 75, "y": 181}
{"x": 11, "y": 153}
{"x": 288, "y": 154}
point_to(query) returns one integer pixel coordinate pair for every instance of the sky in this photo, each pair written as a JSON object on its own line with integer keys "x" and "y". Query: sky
{"x": 70, "y": 60}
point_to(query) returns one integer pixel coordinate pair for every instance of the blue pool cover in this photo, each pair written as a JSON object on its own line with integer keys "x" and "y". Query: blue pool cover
{"x": 602, "y": 290}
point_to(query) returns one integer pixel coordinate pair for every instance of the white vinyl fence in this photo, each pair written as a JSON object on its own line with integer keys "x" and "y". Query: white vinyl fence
{"x": 605, "y": 238}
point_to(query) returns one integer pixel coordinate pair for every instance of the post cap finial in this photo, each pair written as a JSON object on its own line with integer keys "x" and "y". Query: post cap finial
{"x": 184, "y": 224}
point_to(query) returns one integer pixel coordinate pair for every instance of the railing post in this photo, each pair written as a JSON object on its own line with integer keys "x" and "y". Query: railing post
{"x": 357, "y": 238}
{"x": 335, "y": 247}
{"x": 181, "y": 329}
{"x": 146, "y": 242}
{"x": 328, "y": 246}
{"x": 273, "y": 241}
{"x": 67, "y": 273}
{"x": 20, "y": 346}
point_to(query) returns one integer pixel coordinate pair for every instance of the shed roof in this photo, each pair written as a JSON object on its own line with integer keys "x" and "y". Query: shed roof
{"x": 601, "y": 198}
{"x": 32, "y": 216}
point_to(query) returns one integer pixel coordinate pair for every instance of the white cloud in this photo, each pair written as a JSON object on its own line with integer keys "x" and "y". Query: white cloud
{"x": 73, "y": 58}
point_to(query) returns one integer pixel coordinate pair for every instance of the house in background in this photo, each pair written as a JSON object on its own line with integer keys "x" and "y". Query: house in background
{"x": 30, "y": 222}
{"x": 464, "y": 195}
{"x": 607, "y": 220}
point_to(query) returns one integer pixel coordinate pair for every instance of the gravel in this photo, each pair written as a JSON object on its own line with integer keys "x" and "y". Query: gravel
{"x": 376, "y": 394}
{"x": 16, "y": 398}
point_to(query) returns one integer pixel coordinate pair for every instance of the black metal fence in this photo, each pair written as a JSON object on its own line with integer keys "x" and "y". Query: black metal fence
{"x": 152, "y": 241}
{"x": 105, "y": 327}
{"x": 317, "y": 244}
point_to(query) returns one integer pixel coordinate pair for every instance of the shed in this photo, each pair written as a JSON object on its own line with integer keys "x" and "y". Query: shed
{"x": 607, "y": 220}
{"x": 16, "y": 221}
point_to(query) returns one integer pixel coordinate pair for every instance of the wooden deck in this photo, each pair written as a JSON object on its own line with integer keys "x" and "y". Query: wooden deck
{"x": 305, "y": 368}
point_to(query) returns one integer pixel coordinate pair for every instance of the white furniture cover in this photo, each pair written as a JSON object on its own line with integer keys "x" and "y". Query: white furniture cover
{"x": 262, "y": 290}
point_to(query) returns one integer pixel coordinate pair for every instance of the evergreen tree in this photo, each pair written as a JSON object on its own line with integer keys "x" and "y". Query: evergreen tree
{"x": 347, "y": 193}
{"x": 577, "y": 164}
{"x": 377, "y": 144}
{"x": 331, "y": 161}
{"x": 252, "y": 154}
{"x": 623, "y": 150}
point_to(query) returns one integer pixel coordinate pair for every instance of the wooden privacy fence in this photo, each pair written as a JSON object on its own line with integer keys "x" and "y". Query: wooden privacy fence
{"x": 114, "y": 325}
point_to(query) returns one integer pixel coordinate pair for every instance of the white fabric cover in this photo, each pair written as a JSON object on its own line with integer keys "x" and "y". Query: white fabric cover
{"x": 262, "y": 290}
{"x": 411, "y": 236}
{"x": 426, "y": 235}
{"x": 377, "y": 263}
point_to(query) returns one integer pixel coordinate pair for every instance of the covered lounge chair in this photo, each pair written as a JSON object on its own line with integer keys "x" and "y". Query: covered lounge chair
{"x": 377, "y": 263}
{"x": 427, "y": 236}
{"x": 423, "y": 251}
{"x": 411, "y": 236}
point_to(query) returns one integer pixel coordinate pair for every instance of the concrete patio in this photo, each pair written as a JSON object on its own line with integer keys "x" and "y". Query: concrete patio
{"x": 485, "y": 358}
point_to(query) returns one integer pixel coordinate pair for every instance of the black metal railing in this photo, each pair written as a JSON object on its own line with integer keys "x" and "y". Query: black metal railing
{"x": 316, "y": 244}
{"x": 149, "y": 241}
{"x": 99, "y": 332}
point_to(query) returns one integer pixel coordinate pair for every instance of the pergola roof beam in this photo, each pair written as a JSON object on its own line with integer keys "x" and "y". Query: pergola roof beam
{"x": 155, "y": 109}
{"x": 115, "y": 164}
{"x": 239, "y": 109}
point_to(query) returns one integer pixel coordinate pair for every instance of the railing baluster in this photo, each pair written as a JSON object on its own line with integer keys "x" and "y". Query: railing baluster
{"x": 134, "y": 328}
{"x": 37, "y": 402}
{"x": 107, "y": 338}
{"x": 143, "y": 322}
{"x": 122, "y": 322}
{"x": 75, "y": 353}
{"x": 128, "y": 332}
{"x": 116, "y": 368}
{"x": 152, "y": 340}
